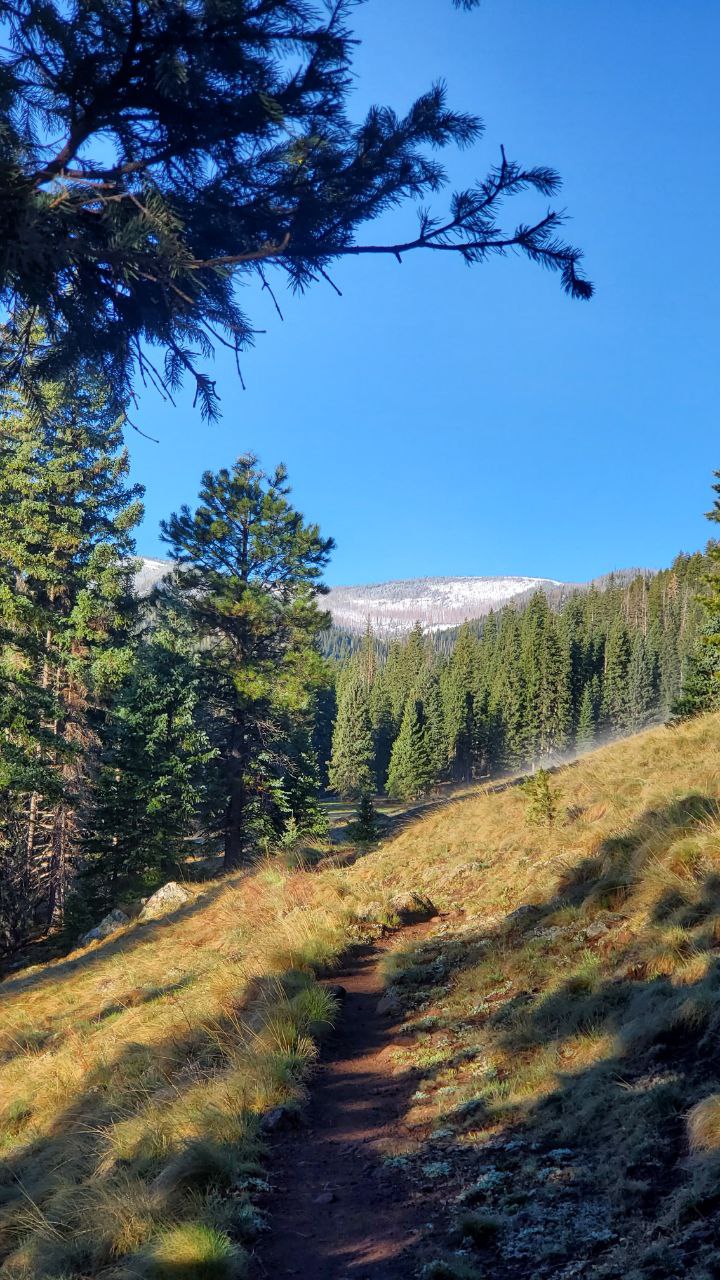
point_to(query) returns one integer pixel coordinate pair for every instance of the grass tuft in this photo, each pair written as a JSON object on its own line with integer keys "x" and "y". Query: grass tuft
{"x": 703, "y": 1124}
{"x": 193, "y": 1251}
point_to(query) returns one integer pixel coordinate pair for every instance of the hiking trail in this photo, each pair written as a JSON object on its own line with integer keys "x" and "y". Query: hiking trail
{"x": 339, "y": 1209}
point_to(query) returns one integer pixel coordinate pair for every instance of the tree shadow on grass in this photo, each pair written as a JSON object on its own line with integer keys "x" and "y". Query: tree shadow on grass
{"x": 123, "y": 943}
{"x": 117, "y": 1158}
{"x": 576, "y": 1141}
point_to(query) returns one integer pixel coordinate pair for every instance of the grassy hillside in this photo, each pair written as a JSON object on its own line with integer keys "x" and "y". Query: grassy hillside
{"x": 561, "y": 1032}
{"x": 563, "y": 1022}
{"x": 133, "y": 1076}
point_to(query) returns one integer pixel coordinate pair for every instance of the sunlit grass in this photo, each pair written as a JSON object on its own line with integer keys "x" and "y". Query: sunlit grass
{"x": 134, "y": 1074}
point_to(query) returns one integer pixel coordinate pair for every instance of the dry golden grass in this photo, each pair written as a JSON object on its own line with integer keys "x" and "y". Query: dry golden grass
{"x": 574, "y": 989}
{"x": 481, "y": 854}
{"x": 703, "y": 1124}
{"x": 134, "y": 1072}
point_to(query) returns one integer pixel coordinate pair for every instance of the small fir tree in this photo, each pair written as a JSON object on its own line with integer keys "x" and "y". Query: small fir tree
{"x": 542, "y": 799}
{"x": 352, "y": 764}
{"x": 587, "y": 726}
{"x": 411, "y": 771}
{"x": 364, "y": 828}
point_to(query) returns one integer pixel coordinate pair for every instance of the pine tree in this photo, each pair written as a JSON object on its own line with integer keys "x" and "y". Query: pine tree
{"x": 458, "y": 689}
{"x": 381, "y": 719}
{"x": 431, "y": 698}
{"x": 248, "y": 570}
{"x": 364, "y": 828}
{"x": 701, "y": 686}
{"x": 158, "y": 155}
{"x": 615, "y": 709}
{"x": 508, "y": 699}
{"x": 66, "y": 521}
{"x": 411, "y": 770}
{"x": 711, "y": 597}
{"x": 534, "y": 626}
{"x": 641, "y": 684}
{"x": 587, "y": 724}
{"x": 553, "y": 695}
{"x": 542, "y": 799}
{"x": 352, "y": 764}
{"x": 149, "y": 785}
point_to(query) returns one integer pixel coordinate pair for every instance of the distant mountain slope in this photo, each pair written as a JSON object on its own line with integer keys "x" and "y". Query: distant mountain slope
{"x": 438, "y": 604}
{"x": 150, "y": 573}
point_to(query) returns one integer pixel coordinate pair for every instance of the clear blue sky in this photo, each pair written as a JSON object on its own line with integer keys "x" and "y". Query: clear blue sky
{"x": 444, "y": 420}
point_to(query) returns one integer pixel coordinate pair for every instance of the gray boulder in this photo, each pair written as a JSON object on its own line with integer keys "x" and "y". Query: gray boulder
{"x": 113, "y": 920}
{"x": 168, "y": 898}
{"x": 389, "y": 1004}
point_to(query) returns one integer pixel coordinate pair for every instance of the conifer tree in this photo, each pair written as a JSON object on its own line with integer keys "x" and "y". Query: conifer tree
{"x": 700, "y": 690}
{"x": 509, "y": 698}
{"x": 411, "y": 770}
{"x": 365, "y": 826}
{"x": 431, "y": 698}
{"x": 542, "y": 799}
{"x": 67, "y": 517}
{"x": 155, "y": 156}
{"x": 248, "y": 572}
{"x": 553, "y": 694}
{"x": 380, "y": 709}
{"x": 352, "y": 764}
{"x": 149, "y": 785}
{"x": 459, "y": 683}
{"x": 712, "y": 578}
{"x": 615, "y": 708}
{"x": 586, "y": 725}
{"x": 641, "y": 684}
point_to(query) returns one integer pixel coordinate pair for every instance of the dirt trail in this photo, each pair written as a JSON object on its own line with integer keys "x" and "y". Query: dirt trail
{"x": 338, "y": 1210}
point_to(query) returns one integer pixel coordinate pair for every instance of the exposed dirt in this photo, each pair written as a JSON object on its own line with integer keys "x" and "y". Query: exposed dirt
{"x": 339, "y": 1210}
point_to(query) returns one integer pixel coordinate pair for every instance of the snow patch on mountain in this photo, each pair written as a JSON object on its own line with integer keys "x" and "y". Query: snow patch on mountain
{"x": 436, "y": 603}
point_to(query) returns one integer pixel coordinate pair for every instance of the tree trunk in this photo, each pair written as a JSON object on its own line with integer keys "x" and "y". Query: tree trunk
{"x": 235, "y": 851}
{"x": 236, "y": 811}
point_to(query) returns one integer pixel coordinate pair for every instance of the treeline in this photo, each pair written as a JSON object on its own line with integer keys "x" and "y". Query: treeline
{"x": 523, "y": 688}
{"x": 131, "y": 728}
{"x": 138, "y": 734}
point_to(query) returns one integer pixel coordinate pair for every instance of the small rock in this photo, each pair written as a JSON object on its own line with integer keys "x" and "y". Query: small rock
{"x": 595, "y": 930}
{"x": 325, "y": 1197}
{"x": 168, "y": 898}
{"x": 337, "y": 991}
{"x": 390, "y": 1003}
{"x": 274, "y": 1120}
{"x": 113, "y": 920}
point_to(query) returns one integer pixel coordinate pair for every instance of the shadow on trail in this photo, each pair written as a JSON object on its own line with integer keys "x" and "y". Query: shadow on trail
{"x": 343, "y": 1206}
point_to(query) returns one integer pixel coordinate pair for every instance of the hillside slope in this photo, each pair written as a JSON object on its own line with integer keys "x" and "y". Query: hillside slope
{"x": 563, "y": 1023}
{"x": 557, "y": 1046}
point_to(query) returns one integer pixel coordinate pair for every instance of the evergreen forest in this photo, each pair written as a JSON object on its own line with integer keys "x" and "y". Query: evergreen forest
{"x": 143, "y": 737}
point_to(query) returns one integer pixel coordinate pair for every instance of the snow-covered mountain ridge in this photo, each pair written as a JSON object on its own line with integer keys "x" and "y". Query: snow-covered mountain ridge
{"x": 393, "y": 608}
